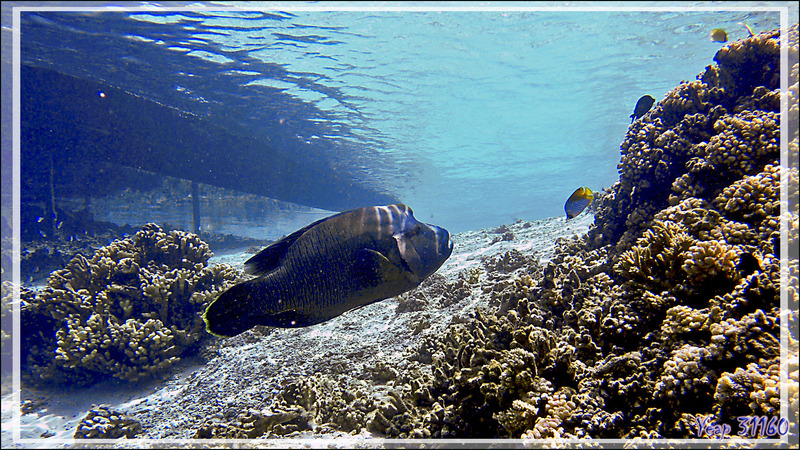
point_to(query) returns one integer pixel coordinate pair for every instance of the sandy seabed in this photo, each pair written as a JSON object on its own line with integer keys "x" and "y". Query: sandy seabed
{"x": 246, "y": 372}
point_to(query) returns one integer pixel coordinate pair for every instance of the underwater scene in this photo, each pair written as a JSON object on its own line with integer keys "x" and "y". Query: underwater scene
{"x": 400, "y": 224}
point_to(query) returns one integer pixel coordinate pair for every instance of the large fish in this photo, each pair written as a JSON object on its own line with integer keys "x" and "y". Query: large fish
{"x": 333, "y": 265}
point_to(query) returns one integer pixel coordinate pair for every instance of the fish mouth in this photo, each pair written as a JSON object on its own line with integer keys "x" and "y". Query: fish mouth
{"x": 444, "y": 246}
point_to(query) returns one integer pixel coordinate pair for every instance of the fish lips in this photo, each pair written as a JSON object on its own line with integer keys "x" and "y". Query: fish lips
{"x": 444, "y": 246}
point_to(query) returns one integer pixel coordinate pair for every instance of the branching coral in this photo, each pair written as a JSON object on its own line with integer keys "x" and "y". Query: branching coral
{"x": 656, "y": 261}
{"x": 130, "y": 311}
{"x": 697, "y": 140}
{"x": 752, "y": 338}
{"x": 686, "y": 380}
{"x": 755, "y": 200}
{"x": 750, "y": 391}
{"x": 709, "y": 261}
{"x": 479, "y": 370}
{"x": 255, "y": 423}
{"x": 104, "y": 423}
{"x": 682, "y": 320}
{"x": 318, "y": 402}
{"x": 667, "y": 311}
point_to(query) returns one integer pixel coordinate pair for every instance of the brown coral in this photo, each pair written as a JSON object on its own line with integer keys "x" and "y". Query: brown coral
{"x": 685, "y": 378}
{"x": 693, "y": 128}
{"x": 753, "y": 390}
{"x": 667, "y": 310}
{"x": 104, "y": 423}
{"x": 130, "y": 311}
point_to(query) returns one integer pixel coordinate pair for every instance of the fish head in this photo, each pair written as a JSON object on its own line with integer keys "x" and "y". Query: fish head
{"x": 432, "y": 244}
{"x": 422, "y": 247}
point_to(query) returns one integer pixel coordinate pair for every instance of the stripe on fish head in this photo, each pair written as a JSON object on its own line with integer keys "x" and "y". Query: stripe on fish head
{"x": 423, "y": 247}
{"x": 388, "y": 220}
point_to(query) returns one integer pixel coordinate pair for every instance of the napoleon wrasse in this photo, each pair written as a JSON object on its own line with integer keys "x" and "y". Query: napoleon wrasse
{"x": 333, "y": 265}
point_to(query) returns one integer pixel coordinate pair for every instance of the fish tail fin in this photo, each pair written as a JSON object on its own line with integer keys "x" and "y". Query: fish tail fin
{"x": 230, "y": 313}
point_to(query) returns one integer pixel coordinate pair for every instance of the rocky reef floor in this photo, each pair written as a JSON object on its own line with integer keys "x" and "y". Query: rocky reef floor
{"x": 660, "y": 318}
{"x": 246, "y": 372}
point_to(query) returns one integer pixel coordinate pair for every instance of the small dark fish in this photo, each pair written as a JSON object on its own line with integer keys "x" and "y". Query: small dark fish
{"x": 718, "y": 35}
{"x": 747, "y": 264}
{"x": 578, "y": 201}
{"x": 642, "y": 106}
{"x": 331, "y": 266}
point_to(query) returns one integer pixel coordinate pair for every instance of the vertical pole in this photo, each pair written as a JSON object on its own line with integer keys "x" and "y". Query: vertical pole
{"x": 51, "y": 202}
{"x": 196, "y": 206}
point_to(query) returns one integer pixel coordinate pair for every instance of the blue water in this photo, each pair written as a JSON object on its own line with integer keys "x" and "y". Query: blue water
{"x": 473, "y": 118}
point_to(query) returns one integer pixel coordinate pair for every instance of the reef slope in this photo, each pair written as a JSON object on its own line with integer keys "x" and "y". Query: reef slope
{"x": 664, "y": 313}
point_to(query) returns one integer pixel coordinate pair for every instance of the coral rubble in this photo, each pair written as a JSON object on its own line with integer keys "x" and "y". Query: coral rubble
{"x": 104, "y": 423}
{"x": 129, "y": 311}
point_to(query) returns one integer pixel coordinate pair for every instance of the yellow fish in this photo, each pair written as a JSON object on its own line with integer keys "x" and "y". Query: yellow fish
{"x": 578, "y": 201}
{"x": 718, "y": 35}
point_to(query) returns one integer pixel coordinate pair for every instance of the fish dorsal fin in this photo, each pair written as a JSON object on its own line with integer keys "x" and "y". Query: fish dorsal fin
{"x": 270, "y": 257}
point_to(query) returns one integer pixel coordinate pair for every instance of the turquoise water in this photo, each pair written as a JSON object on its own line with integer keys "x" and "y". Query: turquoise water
{"x": 473, "y": 118}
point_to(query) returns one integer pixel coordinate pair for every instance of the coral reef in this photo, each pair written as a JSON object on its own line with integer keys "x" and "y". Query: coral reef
{"x": 667, "y": 311}
{"x": 319, "y": 403}
{"x": 254, "y": 423}
{"x": 104, "y": 423}
{"x": 664, "y": 316}
{"x": 40, "y": 256}
{"x": 128, "y": 312}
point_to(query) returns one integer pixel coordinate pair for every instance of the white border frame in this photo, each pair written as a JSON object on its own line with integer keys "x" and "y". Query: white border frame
{"x": 326, "y": 442}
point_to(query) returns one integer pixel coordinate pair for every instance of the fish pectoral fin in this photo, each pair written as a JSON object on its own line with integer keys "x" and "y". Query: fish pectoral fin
{"x": 375, "y": 268}
{"x": 409, "y": 253}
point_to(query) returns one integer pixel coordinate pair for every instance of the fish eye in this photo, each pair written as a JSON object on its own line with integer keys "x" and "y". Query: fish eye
{"x": 414, "y": 231}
